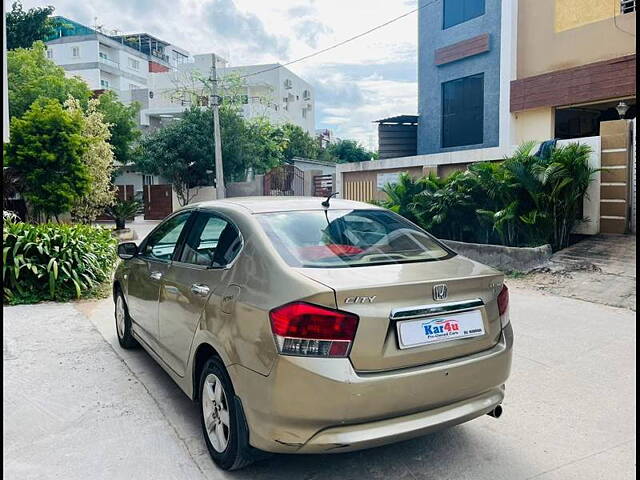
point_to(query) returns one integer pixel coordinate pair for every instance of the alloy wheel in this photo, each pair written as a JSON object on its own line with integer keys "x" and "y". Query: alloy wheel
{"x": 215, "y": 410}
{"x": 120, "y": 316}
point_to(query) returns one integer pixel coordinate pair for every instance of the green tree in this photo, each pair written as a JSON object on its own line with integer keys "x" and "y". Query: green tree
{"x": 299, "y": 143}
{"x": 32, "y": 76}
{"x": 46, "y": 151}
{"x": 182, "y": 152}
{"x": 123, "y": 128}
{"x": 249, "y": 145}
{"x": 566, "y": 178}
{"x": 264, "y": 147}
{"x": 348, "y": 151}
{"x": 98, "y": 159}
{"x": 24, "y": 28}
{"x": 401, "y": 195}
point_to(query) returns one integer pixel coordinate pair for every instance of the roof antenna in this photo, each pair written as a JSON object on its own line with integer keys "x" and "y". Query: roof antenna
{"x": 325, "y": 204}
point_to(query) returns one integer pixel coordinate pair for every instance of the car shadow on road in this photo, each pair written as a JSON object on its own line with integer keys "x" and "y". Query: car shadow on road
{"x": 408, "y": 459}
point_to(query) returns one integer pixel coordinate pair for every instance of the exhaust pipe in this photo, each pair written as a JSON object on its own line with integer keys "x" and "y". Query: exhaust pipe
{"x": 496, "y": 412}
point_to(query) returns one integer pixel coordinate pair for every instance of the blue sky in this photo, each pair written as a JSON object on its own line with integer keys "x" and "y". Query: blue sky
{"x": 368, "y": 79}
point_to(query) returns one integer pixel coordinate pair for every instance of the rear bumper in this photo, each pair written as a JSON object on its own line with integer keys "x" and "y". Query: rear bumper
{"x": 355, "y": 437}
{"x": 317, "y": 405}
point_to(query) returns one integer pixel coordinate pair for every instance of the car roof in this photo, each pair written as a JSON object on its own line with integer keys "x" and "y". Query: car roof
{"x": 285, "y": 204}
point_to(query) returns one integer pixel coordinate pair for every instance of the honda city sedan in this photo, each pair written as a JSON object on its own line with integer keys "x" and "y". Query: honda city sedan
{"x": 303, "y": 326}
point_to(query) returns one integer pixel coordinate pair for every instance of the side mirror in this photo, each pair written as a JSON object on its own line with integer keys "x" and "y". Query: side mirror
{"x": 127, "y": 250}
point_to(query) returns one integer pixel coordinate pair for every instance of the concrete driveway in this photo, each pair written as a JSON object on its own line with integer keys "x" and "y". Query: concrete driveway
{"x": 76, "y": 406}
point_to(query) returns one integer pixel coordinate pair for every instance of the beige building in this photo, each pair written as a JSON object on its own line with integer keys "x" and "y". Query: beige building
{"x": 576, "y": 63}
{"x": 576, "y": 78}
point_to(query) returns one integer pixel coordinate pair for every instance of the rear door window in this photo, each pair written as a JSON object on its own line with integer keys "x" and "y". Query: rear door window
{"x": 212, "y": 242}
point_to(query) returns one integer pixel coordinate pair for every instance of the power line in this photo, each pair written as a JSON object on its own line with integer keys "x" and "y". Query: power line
{"x": 339, "y": 44}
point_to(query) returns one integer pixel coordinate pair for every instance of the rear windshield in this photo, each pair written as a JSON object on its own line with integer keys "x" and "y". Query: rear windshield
{"x": 349, "y": 238}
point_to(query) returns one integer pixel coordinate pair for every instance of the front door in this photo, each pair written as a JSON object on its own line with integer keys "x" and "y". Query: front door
{"x": 146, "y": 273}
{"x": 198, "y": 276}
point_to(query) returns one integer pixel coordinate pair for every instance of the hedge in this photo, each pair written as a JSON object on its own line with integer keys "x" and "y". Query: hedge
{"x": 54, "y": 261}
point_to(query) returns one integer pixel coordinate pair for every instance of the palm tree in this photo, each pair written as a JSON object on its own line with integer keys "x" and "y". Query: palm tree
{"x": 400, "y": 195}
{"x": 566, "y": 178}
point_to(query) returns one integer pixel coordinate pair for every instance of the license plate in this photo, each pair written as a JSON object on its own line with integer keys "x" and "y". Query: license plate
{"x": 437, "y": 329}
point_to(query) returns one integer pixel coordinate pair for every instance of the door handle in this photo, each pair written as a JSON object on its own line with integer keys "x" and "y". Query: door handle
{"x": 155, "y": 276}
{"x": 200, "y": 290}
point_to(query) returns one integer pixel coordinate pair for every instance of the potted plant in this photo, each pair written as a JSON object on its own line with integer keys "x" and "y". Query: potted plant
{"x": 123, "y": 210}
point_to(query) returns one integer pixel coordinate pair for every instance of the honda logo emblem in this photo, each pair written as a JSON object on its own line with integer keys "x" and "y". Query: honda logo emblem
{"x": 440, "y": 292}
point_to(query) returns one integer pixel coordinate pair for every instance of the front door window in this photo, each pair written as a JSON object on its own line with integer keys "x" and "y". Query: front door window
{"x": 162, "y": 242}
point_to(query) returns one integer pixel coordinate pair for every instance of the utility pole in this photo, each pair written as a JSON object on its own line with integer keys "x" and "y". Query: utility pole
{"x": 215, "y": 104}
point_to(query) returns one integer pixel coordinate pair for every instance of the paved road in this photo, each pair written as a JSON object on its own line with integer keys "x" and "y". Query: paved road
{"x": 77, "y": 407}
{"x": 140, "y": 226}
{"x": 600, "y": 269}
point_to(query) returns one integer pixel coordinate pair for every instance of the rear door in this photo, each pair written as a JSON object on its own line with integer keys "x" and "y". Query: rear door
{"x": 385, "y": 295}
{"x": 146, "y": 272}
{"x": 198, "y": 275}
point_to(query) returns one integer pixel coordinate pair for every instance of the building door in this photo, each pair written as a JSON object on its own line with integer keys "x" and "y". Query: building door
{"x": 158, "y": 201}
{"x": 322, "y": 185}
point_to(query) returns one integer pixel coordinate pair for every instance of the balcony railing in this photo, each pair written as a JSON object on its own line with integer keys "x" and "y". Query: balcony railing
{"x": 627, "y": 6}
{"x": 108, "y": 61}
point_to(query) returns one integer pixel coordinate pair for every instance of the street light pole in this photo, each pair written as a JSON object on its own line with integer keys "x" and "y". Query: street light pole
{"x": 215, "y": 104}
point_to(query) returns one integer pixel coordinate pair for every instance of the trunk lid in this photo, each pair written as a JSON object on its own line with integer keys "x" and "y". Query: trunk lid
{"x": 405, "y": 286}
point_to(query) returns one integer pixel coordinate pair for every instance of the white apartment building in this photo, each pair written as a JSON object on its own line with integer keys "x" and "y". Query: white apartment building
{"x": 111, "y": 62}
{"x": 277, "y": 93}
{"x": 270, "y": 91}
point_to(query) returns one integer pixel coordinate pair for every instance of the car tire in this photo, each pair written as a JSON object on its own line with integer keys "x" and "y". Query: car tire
{"x": 123, "y": 323}
{"x": 228, "y": 444}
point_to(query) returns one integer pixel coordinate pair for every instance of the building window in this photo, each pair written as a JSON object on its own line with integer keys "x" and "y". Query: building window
{"x": 104, "y": 83}
{"x": 135, "y": 64}
{"x": 75, "y": 51}
{"x": 49, "y": 53}
{"x": 463, "y": 111}
{"x": 147, "y": 179}
{"x": 627, "y": 6}
{"x": 459, "y": 11}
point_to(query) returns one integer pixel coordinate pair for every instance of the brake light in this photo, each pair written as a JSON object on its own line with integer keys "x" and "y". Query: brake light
{"x": 303, "y": 329}
{"x": 503, "y": 305}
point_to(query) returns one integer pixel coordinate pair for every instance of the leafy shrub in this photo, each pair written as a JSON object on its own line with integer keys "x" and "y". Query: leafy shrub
{"x": 53, "y": 261}
{"x": 123, "y": 210}
{"x": 524, "y": 200}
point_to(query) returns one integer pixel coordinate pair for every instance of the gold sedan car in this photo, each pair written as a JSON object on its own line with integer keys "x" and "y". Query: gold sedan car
{"x": 303, "y": 326}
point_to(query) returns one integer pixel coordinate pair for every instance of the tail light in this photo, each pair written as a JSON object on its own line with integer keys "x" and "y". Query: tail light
{"x": 503, "y": 305}
{"x": 307, "y": 330}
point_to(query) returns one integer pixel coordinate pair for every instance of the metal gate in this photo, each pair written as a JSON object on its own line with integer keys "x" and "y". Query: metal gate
{"x": 286, "y": 180}
{"x": 322, "y": 185}
{"x": 158, "y": 201}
